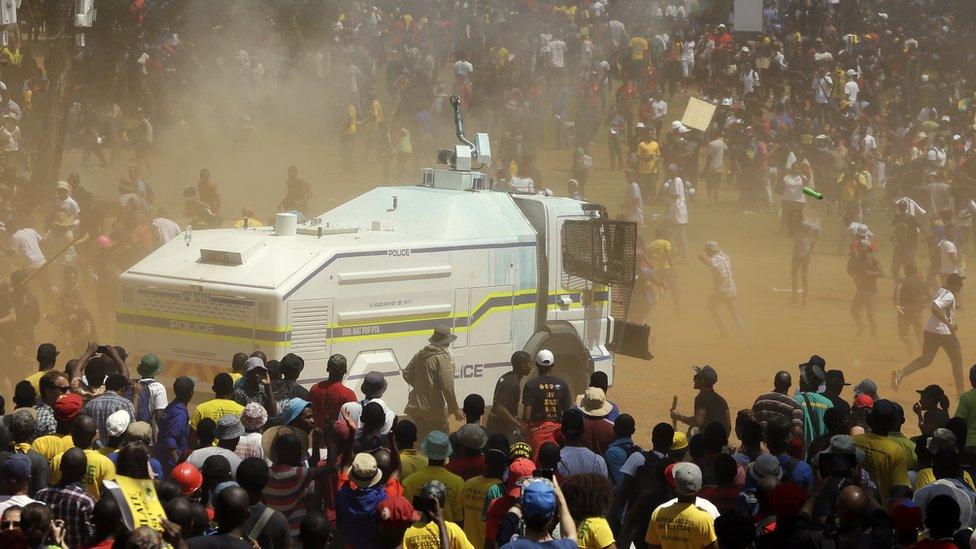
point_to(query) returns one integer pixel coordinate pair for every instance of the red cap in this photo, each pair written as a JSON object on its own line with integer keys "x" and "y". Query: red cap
{"x": 907, "y": 515}
{"x": 188, "y": 477}
{"x": 863, "y": 401}
{"x": 519, "y": 469}
{"x": 68, "y": 406}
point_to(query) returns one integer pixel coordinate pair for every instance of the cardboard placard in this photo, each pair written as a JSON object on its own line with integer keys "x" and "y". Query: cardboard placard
{"x": 698, "y": 114}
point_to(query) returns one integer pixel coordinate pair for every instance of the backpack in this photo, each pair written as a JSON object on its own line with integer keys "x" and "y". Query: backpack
{"x": 141, "y": 400}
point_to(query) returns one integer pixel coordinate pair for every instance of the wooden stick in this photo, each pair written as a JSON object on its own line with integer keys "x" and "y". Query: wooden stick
{"x": 674, "y": 406}
{"x": 55, "y": 256}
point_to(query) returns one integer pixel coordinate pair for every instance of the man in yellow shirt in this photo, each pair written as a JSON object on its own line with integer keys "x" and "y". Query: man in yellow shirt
{"x": 681, "y": 524}
{"x": 411, "y": 460}
{"x": 648, "y": 152}
{"x": 437, "y": 448}
{"x": 84, "y": 432}
{"x": 473, "y": 495}
{"x": 884, "y": 459}
{"x": 427, "y": 531}
{"x": 221, "y": 405}
{"x": 638, "y": 47}
{"x": 47, "y": 355}
{"x": 659, "y": 254}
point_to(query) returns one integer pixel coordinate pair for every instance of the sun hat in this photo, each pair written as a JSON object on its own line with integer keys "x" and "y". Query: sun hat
{"x": 229, "y": 427}
{"x": 441, "y": 336}
{"x": 473, "y": 436}
{"x": 139, "y": 430}
{"x": 116, "y": 423}
{"x": 364, "y": 470}
{"x": 254, "y": 416}
{"x": 149, "y": 365}
{"x": 835, "y": 377}
{"x": 63, "y": 186}
{"x": 374, "y": 385}
{"x": 436, "y": 446}
{"x": 765, "y": 465}
{"x": 594, "y": 402}
{"x": 272, "y": 434}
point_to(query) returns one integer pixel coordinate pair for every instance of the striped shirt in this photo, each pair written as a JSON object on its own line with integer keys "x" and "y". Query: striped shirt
{"x": 722, "y": 274}
{"x": 286, "y": 491}
{"x": 772, "y": 404}
{"x": 105, "y": 405}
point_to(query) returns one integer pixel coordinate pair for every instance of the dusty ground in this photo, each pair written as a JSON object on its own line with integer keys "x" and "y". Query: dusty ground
{"x": 784, "y": 335}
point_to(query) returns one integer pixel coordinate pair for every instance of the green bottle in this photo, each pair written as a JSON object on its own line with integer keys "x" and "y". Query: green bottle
{"x": 812, "y": 193}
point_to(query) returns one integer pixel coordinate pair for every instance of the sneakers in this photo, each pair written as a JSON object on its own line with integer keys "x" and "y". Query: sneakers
{"x": 896, "y": 377}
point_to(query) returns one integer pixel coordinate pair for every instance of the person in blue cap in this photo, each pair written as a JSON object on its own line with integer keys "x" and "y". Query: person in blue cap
{"x": 543, "y": 505}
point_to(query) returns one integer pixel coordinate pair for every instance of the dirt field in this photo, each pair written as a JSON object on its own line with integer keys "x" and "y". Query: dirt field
{"x": 784, "y": 335}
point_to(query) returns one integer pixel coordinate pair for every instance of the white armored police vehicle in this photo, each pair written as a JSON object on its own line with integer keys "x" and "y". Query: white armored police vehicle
{"x": 372, "y": 278}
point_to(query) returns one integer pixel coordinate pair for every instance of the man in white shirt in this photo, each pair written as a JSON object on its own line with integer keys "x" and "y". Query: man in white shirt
{"x": 26, "y": 246}
{"x": 64, "y": 202}
{"x": 618, "y": 34}
{"x": 556, "y": 50}
{"x": 940, "y": 332}
{"x": 793, "y": 197}
{"x": 676, "y": 212}
{"x": 949, "y": 260}
{"x": 851, "y": 89}
{"x": 463, "y": 68}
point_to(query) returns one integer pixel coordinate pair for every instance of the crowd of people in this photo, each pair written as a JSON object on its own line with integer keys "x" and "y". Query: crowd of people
{"x": 269, "y": 463}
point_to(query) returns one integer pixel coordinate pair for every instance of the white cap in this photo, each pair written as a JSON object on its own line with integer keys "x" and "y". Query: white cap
{"x": 851, "y": 72}
{"x": 545, "y": 358}
{"x": 117, "y": 423}
{"x": 683, "y": 129}
{"x": 63, "y": 185}
{"x": 676, "y": 124}
{"x": 639, "y": 125}
{"x": 925, "y": 78}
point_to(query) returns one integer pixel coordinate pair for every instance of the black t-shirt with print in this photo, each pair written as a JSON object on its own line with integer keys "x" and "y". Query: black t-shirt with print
{"x": 549, "y": 398}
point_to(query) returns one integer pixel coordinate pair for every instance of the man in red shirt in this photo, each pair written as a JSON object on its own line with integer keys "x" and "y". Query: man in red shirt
{"x": 329, "y": 395}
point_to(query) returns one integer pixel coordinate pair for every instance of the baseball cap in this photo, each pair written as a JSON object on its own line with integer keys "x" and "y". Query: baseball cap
{"x": 706, "y": 373}
{"x": 545, "y": 358}
{"x": 765, "y": 465}
{"x": 117, "y": 423}
{"x": 149, "y": 365}
{"x": 538, "y": 498}
{"x": 519, "y": 470}
{"x": 863, "y": 401}
{"x": 398, "y": 512}
{"x": 17, "y": 468}
{"x": 687, "y": 479}
{"x": 867, "y": 387}
{"x": 68, "y": 406}
{"x": 254, "y": 363}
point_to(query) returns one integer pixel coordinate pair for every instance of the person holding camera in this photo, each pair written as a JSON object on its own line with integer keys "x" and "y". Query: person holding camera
{"x": 543, "y": 506}
{"x": 432, "y": 530}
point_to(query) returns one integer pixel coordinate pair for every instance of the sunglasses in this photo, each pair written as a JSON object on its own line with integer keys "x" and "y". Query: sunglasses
{"x": 9, "y": 524}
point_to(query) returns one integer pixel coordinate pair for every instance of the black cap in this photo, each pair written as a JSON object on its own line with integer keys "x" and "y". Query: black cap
{"x": 835, "y": 377}
{"x": 932, "y": 391}
{"x": 706, "y": 373}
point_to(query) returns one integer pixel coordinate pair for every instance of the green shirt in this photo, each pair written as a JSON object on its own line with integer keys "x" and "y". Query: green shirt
{"x": 813, "y": 405}
{"x": 967, "y": 411}
{"x": 908, "y": 446}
